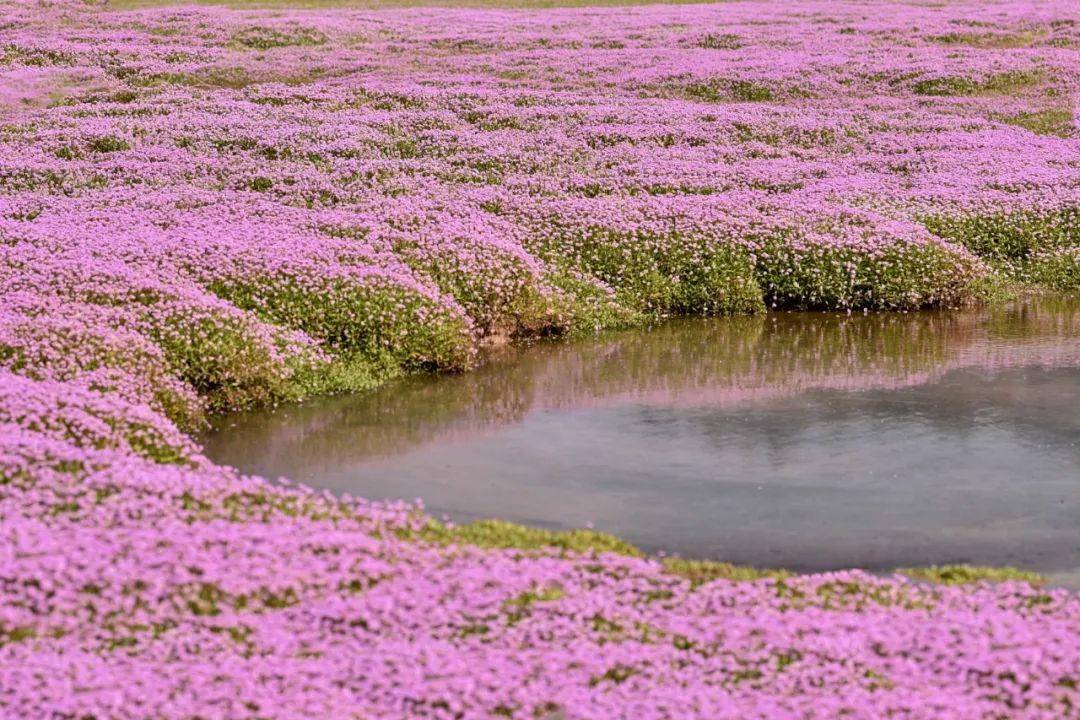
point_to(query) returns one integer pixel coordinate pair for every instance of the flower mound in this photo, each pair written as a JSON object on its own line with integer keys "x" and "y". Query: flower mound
{"x": 203, "y": 209}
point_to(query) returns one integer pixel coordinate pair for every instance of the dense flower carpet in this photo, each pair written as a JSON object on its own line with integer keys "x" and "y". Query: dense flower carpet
{"x": 204, "y": 209}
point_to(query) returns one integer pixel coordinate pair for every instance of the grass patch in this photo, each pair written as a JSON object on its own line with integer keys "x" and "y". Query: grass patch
{"x": 265, "y": 38}
{"x": 994, "y": 41}
{"x": 699, "y": 572}
{"x": 499, "y": 534}
{"x": 108, "y": 143}
{"x": 520, "y": 606}
{"x": 346, "y": 373}
{"x": 970, "y": 574}
{"x": 1006, "y": 83}
{"x": 503, "y": 535}
{"x": 228, "y": 77}
{"x": 1058, "y": 122}
{"x": 720, "y": 41}
{"x": 723, "y": 90}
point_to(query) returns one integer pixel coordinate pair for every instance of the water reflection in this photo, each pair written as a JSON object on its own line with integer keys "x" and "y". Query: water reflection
{"x": 803, "y": 440}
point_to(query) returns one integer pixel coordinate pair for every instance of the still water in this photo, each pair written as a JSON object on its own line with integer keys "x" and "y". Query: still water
{"x": 797, "y": 440}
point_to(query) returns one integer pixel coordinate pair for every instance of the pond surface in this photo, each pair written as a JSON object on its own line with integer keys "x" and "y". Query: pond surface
{"x": 799, "y": 440}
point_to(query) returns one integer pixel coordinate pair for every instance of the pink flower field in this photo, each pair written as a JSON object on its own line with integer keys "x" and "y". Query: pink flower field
{"x": 204, "y": 209}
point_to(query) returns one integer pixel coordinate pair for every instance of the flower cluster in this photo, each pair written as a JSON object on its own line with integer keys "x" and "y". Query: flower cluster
{"x": 203, "y": 209}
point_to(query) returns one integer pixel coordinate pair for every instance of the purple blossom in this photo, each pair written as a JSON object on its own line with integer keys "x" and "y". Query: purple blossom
{"x": 203, "y": 209}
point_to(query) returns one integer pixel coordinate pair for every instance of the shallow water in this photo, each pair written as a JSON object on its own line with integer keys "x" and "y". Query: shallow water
{"x": 806, "y": 441}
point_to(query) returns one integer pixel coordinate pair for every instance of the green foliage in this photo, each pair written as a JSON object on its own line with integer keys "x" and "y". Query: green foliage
{"x": 374, "y": 318}
{"x": 1012, "y": 241}
{"x": 498, "y": 290}
{"x": 661, "y": 273}
{"x": 748, "y": 91}
{"x": 223, "y": 360}
{"x": 1055, "y": 121}
{"x": 946, "y": 86}
{"x": 588, "y": 306}
{"x": 1057, "y": 270}
{"x": 723, "y": 283}
{"x": 616, "y": 674}
{"x": 13, "y": 53}
{"x": 507, "y": 535}
{"x": 147, "y": 442}
{"x": 346, "y": 373}
{"x": 723, "y": 41}
{"x": 209, "y": 600}
{"x": 988, "y": 40}
{"x": 520, "y": 606}
{"x": 994, "y": 289}
{"x": 967, "y": 574}
{"x": 899, "y": 277}
{"x": 17, "y": 633}
{"x": 108, "y": 143}
{"x": 699, "y": 572}
{"x": 1006, "y": 83}
{"x": 718, "y": 90}
{"x": 265, "y": 38}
